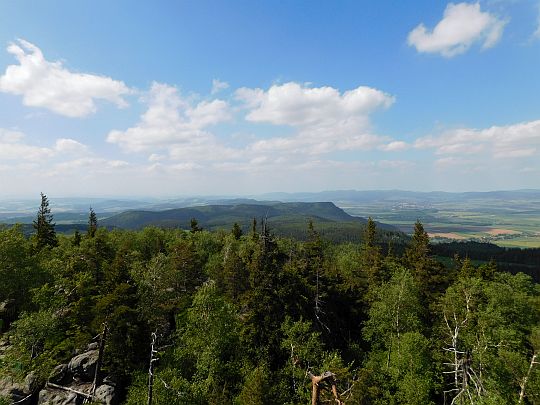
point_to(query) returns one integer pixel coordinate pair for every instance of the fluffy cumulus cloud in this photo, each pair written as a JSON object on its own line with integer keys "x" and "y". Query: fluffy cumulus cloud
{"x": 462, "y": 25}
{"x": 498, "y": 142}
{"x": 50, "y": 85}
{"x": 325, "y": 119}
{"x": 174, "y": 125}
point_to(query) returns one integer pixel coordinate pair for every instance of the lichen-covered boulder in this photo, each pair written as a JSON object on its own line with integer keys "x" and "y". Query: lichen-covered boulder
{"x": 107, "y": 394}
{"x": 60, "y": 375}
{"x": 56, "y": 397}
{"x": 83, "y": 366}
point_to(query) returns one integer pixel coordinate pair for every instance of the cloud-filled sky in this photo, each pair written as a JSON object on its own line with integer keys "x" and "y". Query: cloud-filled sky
{"x": 171, "y": 98}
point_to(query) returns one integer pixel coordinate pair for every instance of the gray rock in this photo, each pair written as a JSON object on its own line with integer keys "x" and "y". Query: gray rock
{"x": 31, "y": 383}
{"x": 57, "y": 397}
{"x": 84, "y": 365}
{"x": 107, "y": 394}
{"x": 60, "y": 375}
{"x": 93, "y": 346}
{"x": 13, "y": 391}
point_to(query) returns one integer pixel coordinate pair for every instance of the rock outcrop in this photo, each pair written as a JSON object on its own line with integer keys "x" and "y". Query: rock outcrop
{"x": 68, "y": 384}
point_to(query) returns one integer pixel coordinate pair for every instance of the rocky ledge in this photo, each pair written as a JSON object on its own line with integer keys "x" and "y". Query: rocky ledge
{"x": 68, "y": 384}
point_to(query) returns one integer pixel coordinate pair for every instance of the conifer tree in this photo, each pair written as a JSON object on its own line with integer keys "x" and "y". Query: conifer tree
{"x": 76, "y": 239}
{"x": 194, "y": 225}
{"x": 417, "y": 255}
{"x": 371, "y": 253}
{"x": 236, "y": 231}
{"x": 92, "y": 223}
{"x": 44, "y": 226}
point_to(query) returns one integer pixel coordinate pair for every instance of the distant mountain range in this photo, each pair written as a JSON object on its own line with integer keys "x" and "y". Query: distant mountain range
{"x": 23, "y": 210}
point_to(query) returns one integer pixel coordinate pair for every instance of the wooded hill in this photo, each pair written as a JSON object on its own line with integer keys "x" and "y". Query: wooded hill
{"x": 285, "y": 219}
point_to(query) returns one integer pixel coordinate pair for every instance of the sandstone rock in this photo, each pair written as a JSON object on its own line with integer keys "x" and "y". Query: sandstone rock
{"x": 93, "y": 346}
{"x": 84, "y": 365}
{"x": 31, "y": 383}
{"x": 60, "y": 375}
{"x": 56, "y": 397}
{"x": 13, "y": 391}
{"x": 107, "y": 394}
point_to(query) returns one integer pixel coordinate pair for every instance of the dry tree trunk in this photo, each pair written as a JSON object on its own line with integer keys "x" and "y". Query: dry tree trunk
{"x": 523, "y": 384}
{"x": 316, "y": 388}
{"x": 151, "y": 368}
{"x": 102, "y": 340}
{"x": 61, "y": 387}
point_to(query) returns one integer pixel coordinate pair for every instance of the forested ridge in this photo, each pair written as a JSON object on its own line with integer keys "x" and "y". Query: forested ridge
{"x": 232, "y": 317}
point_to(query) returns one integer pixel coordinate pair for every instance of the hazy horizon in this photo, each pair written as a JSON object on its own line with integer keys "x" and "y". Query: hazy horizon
{"x": 36, "y": 197}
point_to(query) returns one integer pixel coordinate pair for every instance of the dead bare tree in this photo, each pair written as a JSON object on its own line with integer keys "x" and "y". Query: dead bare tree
{"x": 97, "y": 376}
{"x": 153, "y": 359}
{"x": 318, "y": 383}
{"x": 467, "y": 383}
{"x": 523, "y": 384}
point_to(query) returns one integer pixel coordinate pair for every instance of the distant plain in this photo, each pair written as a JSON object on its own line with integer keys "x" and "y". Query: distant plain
{"x": 508, "y": 223}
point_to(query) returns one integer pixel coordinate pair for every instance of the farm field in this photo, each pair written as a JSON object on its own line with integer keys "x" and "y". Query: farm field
{"x": 508, "y": 223}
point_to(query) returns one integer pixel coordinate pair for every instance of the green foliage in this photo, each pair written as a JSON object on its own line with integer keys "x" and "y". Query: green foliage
{"x": 491, "y": 324}
{"x": 256, "y": 389}
{"x": 395, "y": 311}
{"x": 242, "y": 319}
{"x": 209, "y": 343}
{"x": 18, "y": 272}
{"x": 34, "y": 338}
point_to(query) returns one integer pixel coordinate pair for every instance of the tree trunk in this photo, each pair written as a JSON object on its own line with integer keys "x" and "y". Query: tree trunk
{"x": 151, "y": 369}
{"x": 523, "y": 384}
{"x": 316, "y": 389}
{"x": 102, "y": 340}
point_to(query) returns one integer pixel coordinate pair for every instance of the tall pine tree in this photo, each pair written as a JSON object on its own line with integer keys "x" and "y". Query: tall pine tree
{"x": 44, "y": 226}
{"x": 92, "y": 223}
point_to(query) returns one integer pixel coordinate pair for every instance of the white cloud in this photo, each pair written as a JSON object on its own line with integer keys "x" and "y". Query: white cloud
{"x": 155, "y": 157}
{"x": 89, "y": 163}
{"x": 10, "y": 136}
{"x": 13, "y": 148}
{"x": 301, "y": 106}
{"x": 511, "y": 141}
{"x": 396, "y": 164}
{"x": 50, "y": 85}
{"x": 450, "y": 161}
{"x": 325, "y": 119}
{"x": 462, "y": 25}
{"x": 64, "y": 145}
{"x": 173, "y": 124}
{"x": 395, "y": 146}
{"x": 218, "y": 85}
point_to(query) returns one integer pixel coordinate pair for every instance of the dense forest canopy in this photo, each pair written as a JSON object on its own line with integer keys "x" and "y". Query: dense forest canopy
{"x": 196, "y": 317}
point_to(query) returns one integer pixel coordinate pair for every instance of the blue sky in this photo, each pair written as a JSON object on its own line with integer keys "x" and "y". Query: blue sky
{"x": 171, "y": 98}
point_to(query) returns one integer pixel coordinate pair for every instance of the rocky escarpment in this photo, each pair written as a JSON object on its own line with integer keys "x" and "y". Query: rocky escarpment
{"x": 68, "y": 384}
